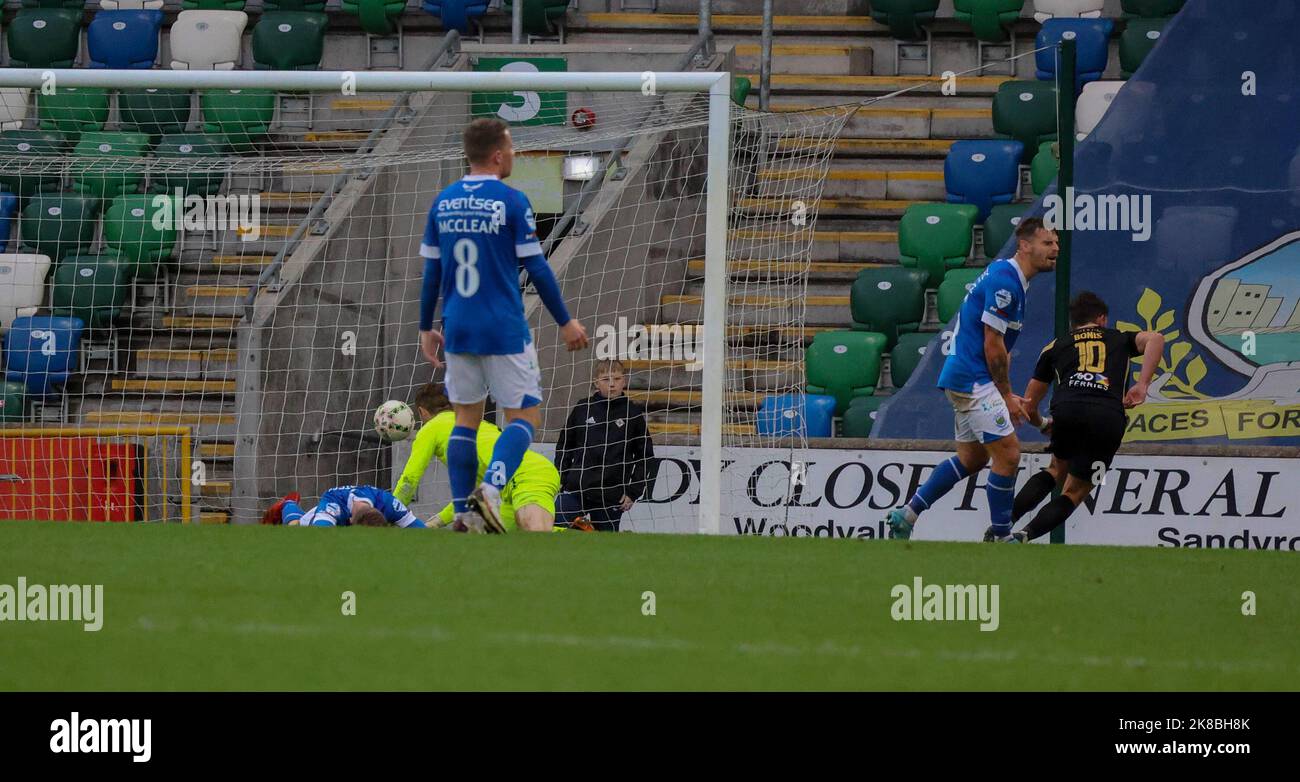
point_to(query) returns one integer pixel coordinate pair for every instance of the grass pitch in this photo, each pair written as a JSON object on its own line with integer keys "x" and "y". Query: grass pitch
{"x": 239, "y": 608}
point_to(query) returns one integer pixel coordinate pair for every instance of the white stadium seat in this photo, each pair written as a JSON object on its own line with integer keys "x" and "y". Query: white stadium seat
{"x": 131, "y": 5}
{"x": 1049, "y": 9}
{"x": 13, "y": 107}
{"x": 1093, "y": 104}
{"x": 22, "y": 285}
{"x": 207, "y": 40}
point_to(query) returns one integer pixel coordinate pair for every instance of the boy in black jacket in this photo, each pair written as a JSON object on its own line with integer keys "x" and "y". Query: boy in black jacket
{"x": 605, "y": 456}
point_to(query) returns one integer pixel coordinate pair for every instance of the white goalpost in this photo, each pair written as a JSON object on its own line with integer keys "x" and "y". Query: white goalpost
{"x": 246, "y": 342}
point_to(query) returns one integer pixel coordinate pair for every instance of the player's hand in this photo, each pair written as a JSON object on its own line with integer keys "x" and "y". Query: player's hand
{"x": 574, "y": 335}
{"x": 430, "y": 344}
{"x": 1016, "y": 406}
{"x": 1136, "y": 395}
{"x": 627, "y": 503}
{"x": 1045, "y": 426}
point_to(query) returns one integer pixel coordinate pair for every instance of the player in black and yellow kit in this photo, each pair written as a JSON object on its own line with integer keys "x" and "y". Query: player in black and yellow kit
{"x": 1090, "y": 367}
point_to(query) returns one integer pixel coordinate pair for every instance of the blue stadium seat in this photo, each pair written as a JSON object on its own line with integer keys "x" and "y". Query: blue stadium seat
{"x": 805, "y": 415}
{"x": 456, "y": 14}
{"x": 1092, "y": 47}
{"x": 8, "y": 211}
{"x": 41, "y": 351}
{"x": 983, "y": 173}
{"x": 123, "y": 39}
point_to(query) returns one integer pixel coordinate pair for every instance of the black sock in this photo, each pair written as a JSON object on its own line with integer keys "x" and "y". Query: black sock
{"x": 1036, "y": 488}
{"x": 1050, "y": 517}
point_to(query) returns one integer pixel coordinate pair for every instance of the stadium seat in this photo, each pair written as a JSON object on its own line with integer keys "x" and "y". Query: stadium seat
{"x": 41, "y": 351}
{"x": 45, "y": 38}
{"x": 377, "y": 17}
{"x": 123, "y": 39}
{"x": 1137, "y": 41}
{"x": 92, "y": 288}
{"x": 1026, "y": 111}
{"x": 154, "y": 111}
{"x": 1043, "y": 168}
{"x": 207, "y": 40}
{"x": 906, "y": 19}
{"x": 906, "y": 355}
{"x": 243, "y": 116}
{"x": 983, "y": 173}
{"x": 131, "y": 5}
{"x": 12, "y": 405}
{"x": 289, "y": 40}
{"x": 1092, "y": 39}
{"x": 740, "y": 88}
{"x": 1151, "y": 9}
{"x": 541, "y": 17}
{"x": 14, "y": 107}
{"x": 99, "y": 177}
{"x": 1067, "y": 9}
{"x": 42, "y": 175}
{"x": 936, "y": 237}
{"x": 24, "y": 288}
{"x": 801, "y": 415}
{"x": 456, "y": 14}
{"x": 1000, "y": 226}
{"x": 844, "y": 365}
{"x": 214, "y": 5}
{"x": 989, "y": 19}
{"x": 130, "y": 232}
{"x": 861, "y": 416}
{"x": 1093, "y": 104}
{"x": 167, "y": 179}
{"x": 8, "y": 211}
{"x": 888, "y": 300}
{"x": 58, "y": 224}
{"x": 73, "y": 110}
{"x": 956, "y": 284}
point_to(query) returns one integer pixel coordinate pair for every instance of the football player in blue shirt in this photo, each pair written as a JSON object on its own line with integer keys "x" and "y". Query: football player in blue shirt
{"x": 345, "y": 506}
{"x": 480, "y": 232}
{"x": 976, "y": 379}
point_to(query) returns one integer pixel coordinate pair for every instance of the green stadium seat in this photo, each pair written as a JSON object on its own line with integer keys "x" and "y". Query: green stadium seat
{"x": 45, "y": 38}
{"x": 740, "y": 88}
{"x": 97, "y": 176}
{"x": 244, "y": 116}
{"x": 167, "y": 177}
{"x": 906, "y": 19}
{"x": 1150, "y": 9}
{"x": 377, "y": 17}
{"x": 213, "y": 5}
{"x": 1000, "y": 226}
{"x": 989, "y": 19}
{"x": 1043, "y": 168}
{"x": 35, "y": 144}
{"x": 936, "y": 237}
{"x": 541, "y": 17}
{"x": 91, "y": 287}
{"x": 844, "y": 364}
{"x": 956, "y": 284}
{"x": 289, "y": 40}
{"x": 1026, "y": 111}
{"x": 130, "y": 232}
{"x": 1136, "y": 42}
{"x": 12, "y": 401}
{"x": 889, "y": 300}
{"x": 73, "y": 110}
{"x": 861, "y": 416}
{"x": 154, "y": 111}
{"x": 59, "y": 224}
{"x": 906, "y": 355}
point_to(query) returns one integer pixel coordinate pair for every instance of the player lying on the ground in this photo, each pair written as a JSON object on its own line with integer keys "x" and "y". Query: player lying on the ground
{"x": 345, "y": 506}
{"x": 976, "y": 380}
{"x": 480, "y": 232}
{"x": 528, "y": 498}
{"x": 1090, "y": 369}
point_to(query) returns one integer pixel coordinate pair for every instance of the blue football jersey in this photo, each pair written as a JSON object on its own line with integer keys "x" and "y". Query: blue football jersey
{"x": 340, "y": 502}
{"x": 996, "y": 300}
{"x": 480, "y": 228}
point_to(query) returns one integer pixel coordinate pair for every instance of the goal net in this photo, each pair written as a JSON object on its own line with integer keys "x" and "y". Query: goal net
{"x": 237, "y": 254}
